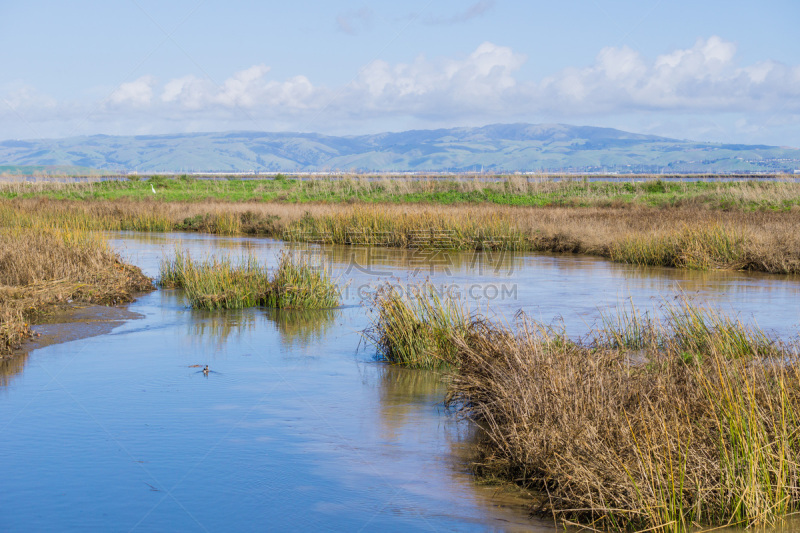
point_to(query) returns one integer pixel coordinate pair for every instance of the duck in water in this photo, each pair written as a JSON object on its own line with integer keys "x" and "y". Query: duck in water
{"x": 205, "y": 371}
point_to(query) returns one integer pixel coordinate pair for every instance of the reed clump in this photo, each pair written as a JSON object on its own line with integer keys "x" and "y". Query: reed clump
{"x": 42, "y": 267}
{"x": 414, "y": 328}
{"x": 648, "y": 424}
{"x": 683, "y": 330}
{"x": 221, "y": 283}
{"x": 300, "y": 284}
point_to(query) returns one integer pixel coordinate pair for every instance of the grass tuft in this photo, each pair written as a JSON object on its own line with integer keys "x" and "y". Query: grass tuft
{"x": 300, "y": 284}
{"x": 414, "y": 329}
{"x": 220, "y": 283}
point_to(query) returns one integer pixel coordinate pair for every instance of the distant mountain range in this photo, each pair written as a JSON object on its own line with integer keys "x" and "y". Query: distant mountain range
{"x": 494, "y": 148}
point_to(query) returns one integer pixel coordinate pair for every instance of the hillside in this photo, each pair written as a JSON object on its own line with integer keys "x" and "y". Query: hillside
{"x": 494, "y": 148}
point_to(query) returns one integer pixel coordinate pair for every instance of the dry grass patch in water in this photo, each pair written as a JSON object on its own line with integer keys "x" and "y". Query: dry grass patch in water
{"x": 220, "y": 283}
{"x": 651, "y": 424}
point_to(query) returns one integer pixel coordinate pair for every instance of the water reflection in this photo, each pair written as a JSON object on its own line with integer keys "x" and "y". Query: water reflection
{"x": 220, "y": 327}
{"x": 401, "y": 394}
{"x": 12, "y": 367}
{"x": 389, "y": 262}
{"x": 302, "y": 327}
{"x": 297, "y": 328}
{"x": 409, "y": 415}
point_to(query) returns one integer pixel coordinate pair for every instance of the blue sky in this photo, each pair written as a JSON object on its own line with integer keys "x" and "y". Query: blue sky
{"x": 706, "y": 70}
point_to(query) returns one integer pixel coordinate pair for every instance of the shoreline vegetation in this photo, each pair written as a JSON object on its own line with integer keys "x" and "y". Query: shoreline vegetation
{"x": 735, "y": 225}
{"x": 43, "y": 268}
{"x": 663, "y": 423}
{"x": 221, "y": 283}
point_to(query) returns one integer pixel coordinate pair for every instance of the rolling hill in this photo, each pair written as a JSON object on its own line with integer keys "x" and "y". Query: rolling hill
{"x": 493, "y": 148}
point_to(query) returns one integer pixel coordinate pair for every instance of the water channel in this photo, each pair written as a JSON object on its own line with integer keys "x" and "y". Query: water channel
{"x": 296, "y": 426}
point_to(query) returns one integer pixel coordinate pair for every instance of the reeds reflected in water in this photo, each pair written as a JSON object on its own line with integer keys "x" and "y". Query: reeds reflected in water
{"x": 11, "y": 367}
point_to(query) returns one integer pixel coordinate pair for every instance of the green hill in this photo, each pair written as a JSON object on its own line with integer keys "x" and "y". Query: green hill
{"x": 494, "y": 148}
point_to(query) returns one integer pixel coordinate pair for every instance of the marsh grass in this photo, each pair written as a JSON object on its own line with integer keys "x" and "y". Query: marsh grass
{"x": 415, "y": 328}
{"x": 299, "y": 283}
{"x": 685, "y": 237}
{"x": 217, "y": 283}
{"x": 683, "y": 329}
{"x": 695, "y": 247}
{"x": 221, "y": 283}
{"x": 408, "y": 229}
{"x": 42, "y": 267}
{"x": 649, "y": 424}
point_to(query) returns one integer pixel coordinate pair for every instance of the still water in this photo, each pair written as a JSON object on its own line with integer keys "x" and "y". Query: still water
{"x": 295, "y": 427}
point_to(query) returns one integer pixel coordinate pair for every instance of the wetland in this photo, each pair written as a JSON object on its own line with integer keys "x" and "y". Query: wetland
{"x": 300, "y": 422}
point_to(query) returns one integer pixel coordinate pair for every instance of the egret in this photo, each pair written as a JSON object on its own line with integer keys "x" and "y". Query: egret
{"x": 152, "y": 188}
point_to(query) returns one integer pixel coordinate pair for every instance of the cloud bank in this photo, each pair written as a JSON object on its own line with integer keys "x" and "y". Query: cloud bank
{"x": 482, "y": 86}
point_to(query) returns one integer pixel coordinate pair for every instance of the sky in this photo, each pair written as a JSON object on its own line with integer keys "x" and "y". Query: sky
{"x": 706, "y": 70}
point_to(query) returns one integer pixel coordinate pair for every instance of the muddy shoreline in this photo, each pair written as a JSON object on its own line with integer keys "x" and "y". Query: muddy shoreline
{"x": 74, "y": 322}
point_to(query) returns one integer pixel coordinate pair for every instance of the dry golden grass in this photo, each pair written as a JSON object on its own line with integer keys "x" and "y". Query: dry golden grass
{"x": 693, "y": 237}
{"x": 673, "y": 434}
{"x": 41, "y": 267}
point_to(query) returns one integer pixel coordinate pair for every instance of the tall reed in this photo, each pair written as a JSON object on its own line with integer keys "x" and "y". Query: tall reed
{"x": 685, "y": 329}
{"x": 300, "y": 283}
{"x": 220, "y": 283}
{"x": 217, "y": 283}
{"x": 657, "y": 424}
{"x": 415, "y": 328}
{"x": 695, "y": 247}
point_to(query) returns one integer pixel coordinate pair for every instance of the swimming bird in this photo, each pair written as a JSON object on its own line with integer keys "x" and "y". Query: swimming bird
{"x": 205, "y": 370}
{"x": 152, "y": 188}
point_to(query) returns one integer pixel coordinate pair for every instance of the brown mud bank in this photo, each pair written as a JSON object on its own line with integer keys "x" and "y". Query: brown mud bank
{"x": 76, "y": 322}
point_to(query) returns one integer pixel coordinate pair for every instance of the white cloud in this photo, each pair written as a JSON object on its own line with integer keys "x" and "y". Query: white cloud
{"x": 189, "y": 92}
{"x": 20, "y": 97}
{"x": 243, "y": 88}
{"x": 704, "y": 77}
{"x": 137, "y": 93}
{"x": 483, "y": 86}
{"x": 246, "y": 89}
{"x": 483, "y": 77}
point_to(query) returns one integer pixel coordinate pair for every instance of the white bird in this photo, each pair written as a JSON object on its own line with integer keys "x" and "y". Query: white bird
{"x": 152, "y": 188}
